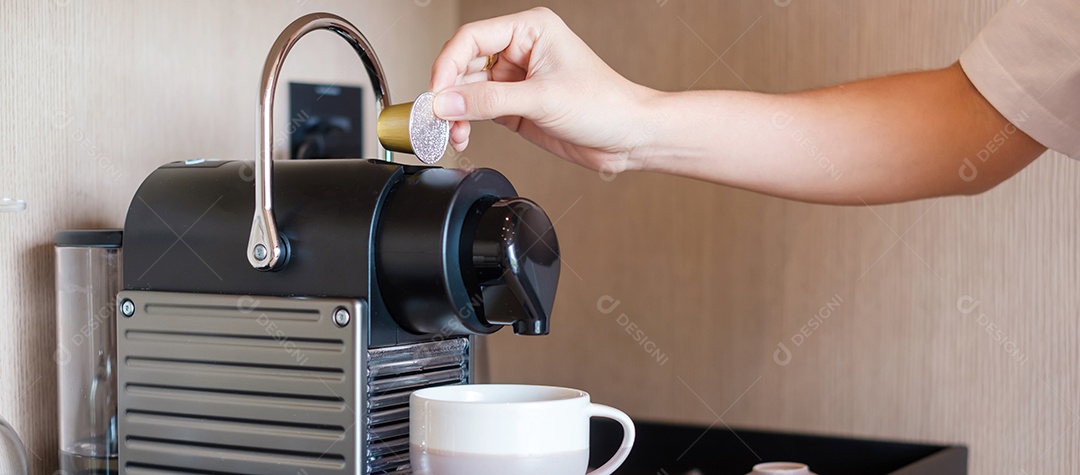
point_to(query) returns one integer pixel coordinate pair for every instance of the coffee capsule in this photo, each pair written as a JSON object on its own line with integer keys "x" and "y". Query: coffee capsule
{"x": 413, "y": 128}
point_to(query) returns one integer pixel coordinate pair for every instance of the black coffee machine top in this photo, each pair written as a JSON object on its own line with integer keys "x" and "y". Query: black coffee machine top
{"x": 289, "y": 342}
{"x": 435, "y": 250}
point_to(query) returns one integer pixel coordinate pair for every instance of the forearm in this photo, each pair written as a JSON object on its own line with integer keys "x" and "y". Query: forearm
{"x": 890, "y": 139}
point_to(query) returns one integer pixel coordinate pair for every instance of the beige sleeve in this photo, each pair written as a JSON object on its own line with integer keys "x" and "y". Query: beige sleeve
{"x": 1026, "y": 63}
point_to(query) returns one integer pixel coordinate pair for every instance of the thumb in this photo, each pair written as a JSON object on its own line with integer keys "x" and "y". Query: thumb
{"x": 487, "y": 100}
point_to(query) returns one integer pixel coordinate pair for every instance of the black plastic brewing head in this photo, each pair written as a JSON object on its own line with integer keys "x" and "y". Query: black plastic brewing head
{"x": 516, "y": 261}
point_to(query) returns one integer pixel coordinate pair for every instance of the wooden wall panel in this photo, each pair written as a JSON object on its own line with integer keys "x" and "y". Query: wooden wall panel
{"x": 95, "y": 95}
{"x": 716, "y": 279}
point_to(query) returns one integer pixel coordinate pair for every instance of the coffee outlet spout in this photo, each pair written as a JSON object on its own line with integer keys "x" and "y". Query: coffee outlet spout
{"x": 457, "y": 253}
{"x": 515, "y": 266}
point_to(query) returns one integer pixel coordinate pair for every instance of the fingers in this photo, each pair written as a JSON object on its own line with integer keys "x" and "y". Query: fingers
{"x": 477, "y": 40}
{"x": 488, "y": 100}
{"x": 475, "y": 77}
{"x": 466, "y": 91}
{"x": 471, "y": 43}
{"x": 476, "y": 65}
{"x": 459, "y": 135}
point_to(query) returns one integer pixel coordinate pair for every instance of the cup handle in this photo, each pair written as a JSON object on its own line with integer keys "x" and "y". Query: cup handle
{"x": 600, "y": 410}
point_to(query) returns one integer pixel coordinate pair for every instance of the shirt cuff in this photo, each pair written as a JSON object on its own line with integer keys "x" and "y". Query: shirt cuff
{"x": 1018, "y": 104}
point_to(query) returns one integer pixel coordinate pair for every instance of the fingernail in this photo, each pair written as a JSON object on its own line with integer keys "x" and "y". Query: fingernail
{"x": 449, "y": 105}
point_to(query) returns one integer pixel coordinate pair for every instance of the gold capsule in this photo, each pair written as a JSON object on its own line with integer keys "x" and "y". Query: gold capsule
{"x": 413, "y": 128}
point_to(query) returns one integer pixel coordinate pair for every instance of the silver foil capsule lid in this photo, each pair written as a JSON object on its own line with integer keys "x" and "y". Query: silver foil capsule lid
{"x": 429, "y": 134}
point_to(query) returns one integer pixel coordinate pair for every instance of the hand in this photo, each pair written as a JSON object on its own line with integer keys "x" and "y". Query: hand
{"x": 547, "y": 85}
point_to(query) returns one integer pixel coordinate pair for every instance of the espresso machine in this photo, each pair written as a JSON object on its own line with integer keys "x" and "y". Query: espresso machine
{"x": 275, "y": 317}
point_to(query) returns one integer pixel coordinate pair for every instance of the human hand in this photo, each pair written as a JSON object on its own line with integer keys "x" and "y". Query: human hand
{"x": 547, "y": 85}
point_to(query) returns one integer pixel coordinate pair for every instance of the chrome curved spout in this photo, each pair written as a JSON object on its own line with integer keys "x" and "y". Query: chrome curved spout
{"x": 267, "y": 248}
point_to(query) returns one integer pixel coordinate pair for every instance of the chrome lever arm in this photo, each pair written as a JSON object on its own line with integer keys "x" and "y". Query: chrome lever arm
{"x": 266, "y": 249}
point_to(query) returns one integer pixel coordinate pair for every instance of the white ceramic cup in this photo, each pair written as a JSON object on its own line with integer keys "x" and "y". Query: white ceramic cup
{"x": 507, "y": 429}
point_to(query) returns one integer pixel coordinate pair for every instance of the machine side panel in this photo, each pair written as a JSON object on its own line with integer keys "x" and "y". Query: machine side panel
{"x": 240, "y": 384}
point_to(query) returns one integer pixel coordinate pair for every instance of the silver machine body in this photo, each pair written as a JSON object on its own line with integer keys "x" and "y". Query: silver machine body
{"x": 289, "y": 342}
{"x": 226, "y": 384}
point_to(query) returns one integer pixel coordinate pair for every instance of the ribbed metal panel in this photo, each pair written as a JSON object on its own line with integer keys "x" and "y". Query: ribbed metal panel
{"x": 267, "y": 385}
{"x": 239, "y": 385}
{"x": 393, "y": 374}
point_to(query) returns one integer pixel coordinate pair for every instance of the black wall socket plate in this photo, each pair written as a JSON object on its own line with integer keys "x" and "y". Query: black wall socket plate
{"x": 325, "y": 121}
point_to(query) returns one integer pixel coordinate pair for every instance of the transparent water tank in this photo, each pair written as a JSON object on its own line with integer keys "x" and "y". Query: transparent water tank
{"x": 87, "y": 281}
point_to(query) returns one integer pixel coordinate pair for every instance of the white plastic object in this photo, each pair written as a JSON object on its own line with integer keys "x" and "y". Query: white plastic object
{"x": 781, "y": 468}
{"x": 11, "y": 205}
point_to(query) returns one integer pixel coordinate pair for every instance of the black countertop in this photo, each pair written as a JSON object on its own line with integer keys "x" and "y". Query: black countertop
{"x": 667, "y": 449}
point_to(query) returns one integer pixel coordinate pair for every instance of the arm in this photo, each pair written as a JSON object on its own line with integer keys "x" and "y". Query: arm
{"x": 883, "y": 140}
